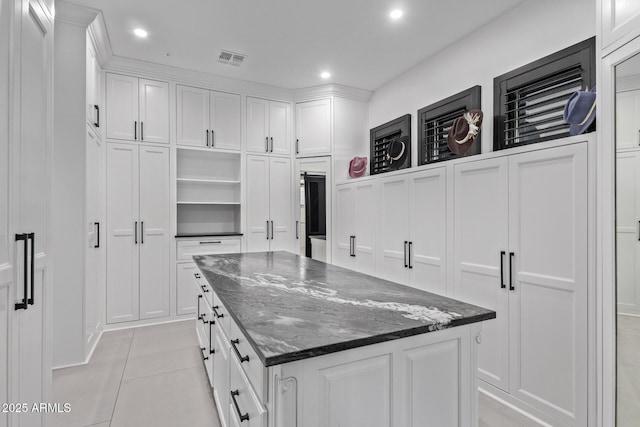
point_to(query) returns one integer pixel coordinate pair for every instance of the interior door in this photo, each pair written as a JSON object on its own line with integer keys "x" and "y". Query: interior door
{"x": 393, "y": 229}
{"x": 122, "y": 107}
{"x": 193, "y": 116}
{"x": 280, "y": 127}
{"x": 123, "y": 229}
{"x": 480, "y": 238}
{"x": 258, "y": 204}
{"x": 154, "y": 111}
{"x": 364, "y": 222}
{"x": 94, "y": 269}
{"x": 257, "y": 125}
{"x": 344, "y": 221}
{"x": 280, "y": 204}
{"x": 31, "y": 363}
{"x": 313, "y": 127}
{"x": 224, "y": 120}
{"x": 154, "y": 232}
{"x": 548, "y": 307}
{"x": 427, "y": 217}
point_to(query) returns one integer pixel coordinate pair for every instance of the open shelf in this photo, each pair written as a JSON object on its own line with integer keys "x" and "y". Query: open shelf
{"x": 208, "y": 203}
{"x": 207, "y": 181}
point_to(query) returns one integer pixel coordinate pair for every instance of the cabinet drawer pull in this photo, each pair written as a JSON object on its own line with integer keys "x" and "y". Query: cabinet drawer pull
{"x": 197, "y": 275}
{"x": 410, "y": 246}
{"x": 203, "y": 317}
{"x": 242, "y": 358}
{"x": 215, "y": 311}
{"x": 204, "y": 288}
{"x": 502, "y": 284}
{"x": 211, "y": 349}
{"x": 202, "y": 349}
{"x": 97, "y": 225}
{"x": 135, "y": 130}
{"x": 23, "y": 304}
{"x": 207, "y": 131}
{"x": 135, "y": 232}
{"x": 297, "y": 146}
{"x": 213, "y": 138}
{"x": 406, "y": 264}
{"x": 199, "y": 298}
{"x": 243, "y": 417}
{"x": 215, "y": 242}
{"x": 297, "y": 230}
{"x": 267, "y": 229}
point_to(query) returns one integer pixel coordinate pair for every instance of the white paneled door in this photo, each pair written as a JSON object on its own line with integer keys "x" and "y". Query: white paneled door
{"x": 193, "y": 116}
{"x": 280, "y": 204}
{"x": 258, "y": 225}
{"x": 154, "y": 232}
{"x": 257, "y": 125}
{"x": 313, "y": 127}
{"x": 392, "y": 263}
{"x": 154, "y": 111}
{"x": 548, "y": 257}
{"x": 481, "y": 247}
{"x": 122, "y": 106}
{"x": 224, "y": 112}
{"x": 280, "y": 127}
{"x": 364, "y": 223}
{"x": 344, "y": 226}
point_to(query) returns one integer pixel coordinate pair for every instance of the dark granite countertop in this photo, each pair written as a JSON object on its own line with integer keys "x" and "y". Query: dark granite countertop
{"x": 292, "y": 308}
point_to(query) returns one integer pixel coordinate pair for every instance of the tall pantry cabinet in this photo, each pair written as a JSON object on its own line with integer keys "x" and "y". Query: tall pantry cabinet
{"x": 26, "y": 40}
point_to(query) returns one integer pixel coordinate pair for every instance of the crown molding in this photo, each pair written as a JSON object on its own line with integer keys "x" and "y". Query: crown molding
{"x": 100, "y": 38}
{"x": 314, "y": 92}
{"x": 74, "y": 14}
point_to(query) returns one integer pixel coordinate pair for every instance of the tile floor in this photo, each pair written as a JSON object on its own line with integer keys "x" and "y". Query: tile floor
{"x": 153, "y": 376}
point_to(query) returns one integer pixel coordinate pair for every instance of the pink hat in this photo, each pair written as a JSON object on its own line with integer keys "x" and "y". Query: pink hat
{"x": 357, "y": 167}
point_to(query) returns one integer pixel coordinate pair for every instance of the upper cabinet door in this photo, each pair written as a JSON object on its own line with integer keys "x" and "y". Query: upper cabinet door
{"x": 154, "y": 111}
{"x": 257, "y": 125}
{"x": 193, "y": 116}
{"x": 280, "y": 127}
{"x": 224, "y": 122}
{"x": 313, "y": 128}
{"x": 620, "y": 18}
{"x": 122, "y": 107}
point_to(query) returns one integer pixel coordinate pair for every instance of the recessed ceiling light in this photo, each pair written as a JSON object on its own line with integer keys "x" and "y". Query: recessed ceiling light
{"x": 140, "y": 32}
{"x": 325, "y": 75}
{"x": 395, "y": 14}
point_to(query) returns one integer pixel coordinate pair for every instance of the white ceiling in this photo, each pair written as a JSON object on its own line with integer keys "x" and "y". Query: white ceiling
{"x": 289, "y": 42}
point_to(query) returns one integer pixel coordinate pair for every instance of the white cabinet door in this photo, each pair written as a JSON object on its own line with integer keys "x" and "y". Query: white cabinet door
{"x": 122, "y": 107}
{"x": 154, "y": 232}
{"x": 344, "y": 227}
{"x": 154, "y": 111}
{"x": 280, "y": 204}
{"x": 257, "y": 125}
{"x": 94, "y": 243}
{"x": 280, "y": 127}
{"x": 548, "y": 307}
{"x": 628, "y": 119}
{"x": 619, "y": 20}
{"x": 257, "y": 203}
{"x": 221, "y": 375}
{"x": 393, "y": 229}
{"x": 224, "y": 111}
{"x": 122, "y": 233}
{"x": 364, "y": 223}
{"x": 192, "y": 116}
{"x": 427, "y": 217}
{"x": 628, "y": 232}
{"x": 186, "y": 295}
{"x": 313, "y": 127}
{"x": 481, "y": 247}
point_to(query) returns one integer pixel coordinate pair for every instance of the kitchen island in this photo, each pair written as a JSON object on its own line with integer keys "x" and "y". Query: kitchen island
{"x": 297, "y": 342}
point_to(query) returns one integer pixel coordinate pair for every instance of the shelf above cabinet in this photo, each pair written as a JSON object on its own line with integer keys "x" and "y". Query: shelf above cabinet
{"x": 207, "y": 203}
{"x": 207, "y": 181}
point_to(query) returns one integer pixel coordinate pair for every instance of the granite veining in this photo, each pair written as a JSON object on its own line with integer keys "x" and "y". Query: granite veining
{"x": 291, "y": 308}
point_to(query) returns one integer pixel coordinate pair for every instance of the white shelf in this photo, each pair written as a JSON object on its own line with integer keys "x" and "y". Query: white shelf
{"x": 207, "y": 181}
{"x": 208, "y": 203}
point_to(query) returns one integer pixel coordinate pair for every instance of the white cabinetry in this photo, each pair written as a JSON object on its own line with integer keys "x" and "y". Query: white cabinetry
{"x": 268, "y": 126}
{"x": 208, "y": 118}
{"x": 628, "y": 119}
{"x": 355, "y": 237}
{"x": 269, "y": 204}
{"x": 412, "y": 230}
{"x": 620, "y": 21}
{"x": 137, "y": 109}
{"x": 137, "y": 232}
{"x": 93, "y": 87}
{"x": 521, "y": 250}
{"x": 313, "y": 128}
{"x": 628, "y": 231}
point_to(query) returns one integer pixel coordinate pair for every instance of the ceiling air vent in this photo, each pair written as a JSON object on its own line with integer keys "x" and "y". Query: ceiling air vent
{"x": 232, "y": 58}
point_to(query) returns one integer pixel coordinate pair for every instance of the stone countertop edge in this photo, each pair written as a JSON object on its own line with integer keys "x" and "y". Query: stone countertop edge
{"x": 341, "y": 346}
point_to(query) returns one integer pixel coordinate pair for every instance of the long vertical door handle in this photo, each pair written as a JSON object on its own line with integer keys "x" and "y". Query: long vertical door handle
{"x": 97, "y": 122}
{"x": 410, "y": 246}
{"x": 141, "y": 232}
{"x": 297, "y": 146}
{"x": 638, "y": 136}
{"x": 213, "y": 138}
{"x": 267, "y": 229}
{"x": 97, "y": 225}
{"x": 271, "y": 230}
{"x": 511, "y": 287}
{"x": 135, "y": 232}
{"x": 272, "y": 144}
{"x": 639, "y": 231}
{"x": 502, "y": 284}
{"x": 297, "y": 230}
{"x": 141, "y": 131}
{"x": 32, "y": 236}
{"x": 266, "y": 144}
{"x": 23, "y": 304}
{"x": 135, "y": 130}
{"x": 406, "y": 264}
{"x": 207, "y": 137}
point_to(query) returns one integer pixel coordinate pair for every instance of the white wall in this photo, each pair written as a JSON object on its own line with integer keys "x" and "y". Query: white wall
{"x": 68, "y": 193}
{"x": 529, "y": 32}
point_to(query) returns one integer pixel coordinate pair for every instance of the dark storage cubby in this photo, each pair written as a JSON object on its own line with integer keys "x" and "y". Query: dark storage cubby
{"x": 381, "y": 136}
{"x": 435, "y": 120}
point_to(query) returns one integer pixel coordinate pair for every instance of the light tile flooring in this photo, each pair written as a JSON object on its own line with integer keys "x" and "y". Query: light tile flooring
{"x": 153, "y": 376}
{"x": 628, "y": 392}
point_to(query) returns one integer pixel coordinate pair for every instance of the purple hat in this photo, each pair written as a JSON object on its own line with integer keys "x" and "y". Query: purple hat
{"x": 357, "y": 167}
{"x": 580, "y": 111}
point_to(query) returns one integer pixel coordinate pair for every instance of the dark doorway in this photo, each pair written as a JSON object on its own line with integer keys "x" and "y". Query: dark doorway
{"x": 315, "y": 201}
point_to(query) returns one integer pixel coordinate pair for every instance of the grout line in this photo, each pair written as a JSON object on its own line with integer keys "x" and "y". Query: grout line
{"x": 121, "y": 377}
{"x": 162, "y": 373}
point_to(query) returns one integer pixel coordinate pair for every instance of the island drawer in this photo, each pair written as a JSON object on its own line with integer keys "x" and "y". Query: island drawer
{"x": 221, "y": 313}
{"x": 245, "y": 408}
{"x": 248, "y": 361}
{"x": 204, "y": 288}
{"x": 185, "y": 249}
